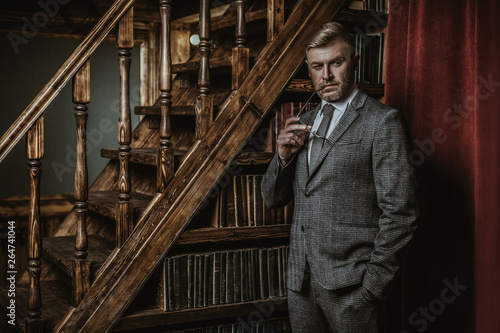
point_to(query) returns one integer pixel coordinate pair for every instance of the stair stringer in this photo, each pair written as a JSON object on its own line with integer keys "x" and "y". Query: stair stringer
{"x": 168, "y": 214}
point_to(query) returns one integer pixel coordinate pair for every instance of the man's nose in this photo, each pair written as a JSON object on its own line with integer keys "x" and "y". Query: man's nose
{"x": 327, "y": 74}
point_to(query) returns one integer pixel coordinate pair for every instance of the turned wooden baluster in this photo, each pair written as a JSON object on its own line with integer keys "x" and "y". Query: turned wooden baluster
{"x": 124, "y": 42}
{"x": 275, "y": 18}
{"x": 165, "y": 164}
{"x": 204, "y": 102}
{"x": 34, "y": 153}
{"x": 81, "y": 266}
{"x": 241, "y": 54}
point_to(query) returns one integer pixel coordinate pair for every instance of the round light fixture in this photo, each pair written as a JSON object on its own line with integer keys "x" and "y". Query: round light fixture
{"x": 194, "y": 39}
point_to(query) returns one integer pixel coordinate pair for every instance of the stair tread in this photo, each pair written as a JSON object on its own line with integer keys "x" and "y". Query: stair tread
{"x": 224, "y": 61}
{"x": 177, "y": 110}
{"x": 104, "y": 202}
{"x": 145, "y": 156}
{"x": 148, "y": 156}
{"x": 54, "y": 307}
{"x": 60, "y": 250}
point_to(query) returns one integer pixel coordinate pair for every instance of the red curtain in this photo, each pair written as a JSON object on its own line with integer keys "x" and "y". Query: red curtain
{"x": 443, "y": 72}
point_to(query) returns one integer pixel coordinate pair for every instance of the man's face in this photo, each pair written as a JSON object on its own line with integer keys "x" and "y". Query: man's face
{"x": 331, "y": 69}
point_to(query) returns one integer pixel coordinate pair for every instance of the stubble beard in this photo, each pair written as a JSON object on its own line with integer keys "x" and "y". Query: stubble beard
{"x": 342, "y": 89}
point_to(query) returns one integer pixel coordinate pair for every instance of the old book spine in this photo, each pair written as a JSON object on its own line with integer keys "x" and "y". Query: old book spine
{"x": 223, "y": 282}
{"x": 237, "y": 275}
{"x": 190, "y": 281}
{"x": 230, "y": 277}
{"x": 216, "y": 278}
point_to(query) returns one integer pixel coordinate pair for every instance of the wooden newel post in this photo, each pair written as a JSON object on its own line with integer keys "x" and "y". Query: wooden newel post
{"x": 124, "y": 43}
{"x": 165, "y": 161}
{"x": 34, "y": 153}
{"x": 204, "y": 102}
{"x": 81, "y": 266}
{"x": 241, "y": 54}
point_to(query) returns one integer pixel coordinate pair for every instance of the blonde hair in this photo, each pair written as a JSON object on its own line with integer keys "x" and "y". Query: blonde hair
{"x": 329, "y": 32}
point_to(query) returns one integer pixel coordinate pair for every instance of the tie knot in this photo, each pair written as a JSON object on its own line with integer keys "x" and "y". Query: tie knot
{"x": 328, "y": 110}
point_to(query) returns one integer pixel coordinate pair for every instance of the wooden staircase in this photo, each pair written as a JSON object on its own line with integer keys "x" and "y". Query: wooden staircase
{"x": 139, "y": 208}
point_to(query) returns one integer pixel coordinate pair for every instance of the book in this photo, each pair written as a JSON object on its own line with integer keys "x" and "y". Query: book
{"x": 263, "y": 275}
{"x": 250, "y": 200}
{"x": 199, "y": 281}
{"x": 177, "y": 283}
{"x": 258, "y": 201}
{"x": 244, "y": 287}
{"x": 231, "y": 213}
{"x": 190, "y": 281}
{"x": 237, "y": 276}
{"x": 216, "y": 281}
{"x": 206, "y": 270}
{"x": 272, "y": 276}
{"x": 238, "y": 209}
{"x": 229, "y": 277}
{"x": 223, "y": 282}
{"x": 244, "y": 199}
{"x": 210, "y": 278}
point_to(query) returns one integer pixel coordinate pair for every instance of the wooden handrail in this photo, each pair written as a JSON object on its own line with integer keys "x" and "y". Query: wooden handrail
{"x": 36, "y": 108}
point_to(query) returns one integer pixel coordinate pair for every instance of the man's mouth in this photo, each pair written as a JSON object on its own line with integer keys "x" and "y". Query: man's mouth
{"x": 329, "y": 86}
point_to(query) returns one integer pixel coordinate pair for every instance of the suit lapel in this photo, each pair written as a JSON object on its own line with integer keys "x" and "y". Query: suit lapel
{"x": 345, "y": 122}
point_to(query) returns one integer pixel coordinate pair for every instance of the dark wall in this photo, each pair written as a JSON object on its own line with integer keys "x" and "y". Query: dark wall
{"x": 23, "y": 74}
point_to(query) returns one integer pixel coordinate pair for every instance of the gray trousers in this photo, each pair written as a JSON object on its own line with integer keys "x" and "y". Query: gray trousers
{"x": 315, "y": 310}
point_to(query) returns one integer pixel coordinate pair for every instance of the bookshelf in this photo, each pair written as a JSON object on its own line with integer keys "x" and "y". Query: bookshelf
{"x": 154, "y": 316}
{"x": 212, "y": 236}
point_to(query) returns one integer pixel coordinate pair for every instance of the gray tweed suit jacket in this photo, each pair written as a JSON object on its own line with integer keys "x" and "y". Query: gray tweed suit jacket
{"x": 356, "y": 209}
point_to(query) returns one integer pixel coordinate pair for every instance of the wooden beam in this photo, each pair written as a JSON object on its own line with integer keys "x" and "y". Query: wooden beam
{"x": 123, "y": 276}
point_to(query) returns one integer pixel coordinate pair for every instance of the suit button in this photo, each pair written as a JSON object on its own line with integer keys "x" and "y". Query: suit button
{"x": 302, "y": 227}
{"x": 308, "y": 194}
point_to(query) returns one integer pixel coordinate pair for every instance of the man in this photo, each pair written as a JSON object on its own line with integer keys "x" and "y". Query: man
{"x": 354, "y": 195}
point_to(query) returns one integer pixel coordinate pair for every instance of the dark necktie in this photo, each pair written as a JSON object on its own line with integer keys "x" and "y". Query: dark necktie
{"x": 317, "y": 143}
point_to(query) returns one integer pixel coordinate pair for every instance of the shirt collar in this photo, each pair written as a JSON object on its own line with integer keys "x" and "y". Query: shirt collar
{"x": 342, "y": 104}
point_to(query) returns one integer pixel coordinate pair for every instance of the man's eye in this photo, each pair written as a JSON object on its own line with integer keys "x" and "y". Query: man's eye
{"x": 337, "y": 63}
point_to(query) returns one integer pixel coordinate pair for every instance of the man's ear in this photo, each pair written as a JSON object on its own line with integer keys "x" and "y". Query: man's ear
{"x": 355, "y": 61}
